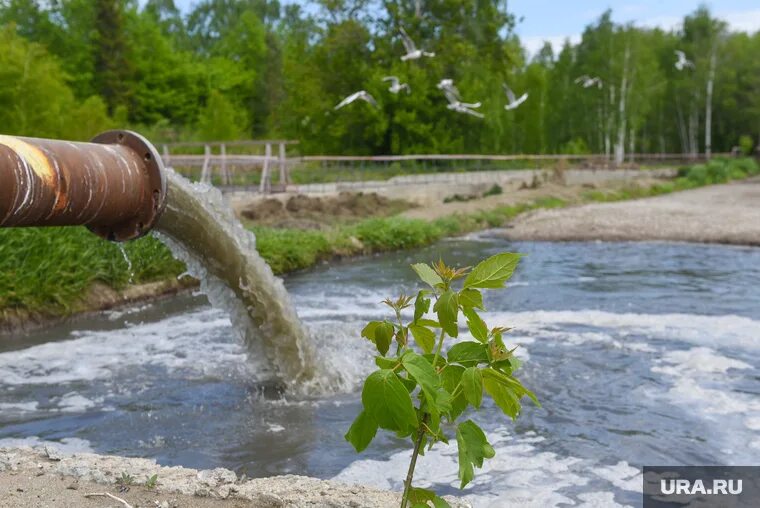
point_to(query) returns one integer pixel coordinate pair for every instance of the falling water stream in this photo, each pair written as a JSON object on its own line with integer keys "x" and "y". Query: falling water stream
{"x": 200, "y": 228}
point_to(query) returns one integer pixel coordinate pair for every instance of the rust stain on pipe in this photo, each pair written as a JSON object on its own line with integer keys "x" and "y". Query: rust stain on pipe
{"x": 114, "y": 185}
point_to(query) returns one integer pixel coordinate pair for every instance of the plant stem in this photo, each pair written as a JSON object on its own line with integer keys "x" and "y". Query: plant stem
{"x": 438, "y": 349}
{"x": 413, "y": 464}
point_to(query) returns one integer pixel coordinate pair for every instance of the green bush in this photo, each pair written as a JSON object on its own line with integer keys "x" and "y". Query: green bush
{"x": 717, "y": 171}
{"x": 746, "y": 144}
{"x": 396, "y": 233}
{"x": 287, "y": 250}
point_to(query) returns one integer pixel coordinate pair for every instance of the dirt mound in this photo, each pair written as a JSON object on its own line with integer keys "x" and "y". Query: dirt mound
{"x": 307, "y": 212}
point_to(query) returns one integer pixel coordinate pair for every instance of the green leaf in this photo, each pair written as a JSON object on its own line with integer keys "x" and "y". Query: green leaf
{"x": 472, "y": 385}
{"x": 497, "y": 351}
{"x": 380, "y": 333}
{"x": 387, "y": 400}
{"x": 473, "y": 448}
{"x": 421, "y": 370}
{"x": 427, "y": 274}
{"x": 468, "y": 353}
{"x": 428, "y": 322}
{"x": 510, "y": 382}
{"x": 451, "y": 375}
{"x": 493, "y": 272}
{"x": 362, "y": 431}
{"x": 424, "y": 337}
{"x": 471, "y": 299}
{"x": 503, "y": 396}
{"x": 421, "y": 305}
{"x": 430, "y": 382}
{"x": 386, "y": 363}
{"x": 447, "y": 308}
{"x": 421, "y": 497}
{"x": 477, "y": 326}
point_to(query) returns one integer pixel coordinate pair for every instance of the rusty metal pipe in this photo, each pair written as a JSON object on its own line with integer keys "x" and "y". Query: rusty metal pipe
{"x": 114, "y": 185}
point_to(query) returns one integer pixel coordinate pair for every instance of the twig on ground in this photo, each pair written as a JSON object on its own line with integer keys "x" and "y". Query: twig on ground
{"x": 106, "y": 494}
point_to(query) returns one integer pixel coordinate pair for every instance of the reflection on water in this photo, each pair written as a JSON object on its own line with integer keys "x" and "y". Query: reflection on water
{"x": 640, "y": 353}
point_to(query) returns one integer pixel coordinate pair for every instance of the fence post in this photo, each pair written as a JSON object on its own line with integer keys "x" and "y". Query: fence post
{"x": 225, "y": 173}
{"x": 206, "y": 171}
{"x": 265, "y": 185}
{"x": 166, "y": 155}
{"x": 284, "y": 177}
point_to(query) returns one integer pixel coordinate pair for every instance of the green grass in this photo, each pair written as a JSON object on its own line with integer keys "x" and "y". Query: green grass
{"x": 48, "y": 270}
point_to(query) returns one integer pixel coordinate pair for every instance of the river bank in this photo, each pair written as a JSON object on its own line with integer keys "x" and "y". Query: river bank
{"x": 51, "y": 274}
{"x": 726, "y": 214}
{"x": 44, "y": 476}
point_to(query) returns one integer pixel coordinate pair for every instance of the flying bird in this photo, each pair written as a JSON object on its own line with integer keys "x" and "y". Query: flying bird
{"x": 513, "y": 102}
{"x": 587, "y": 81}
{"x": 396, "y": 85}
{"x": 360, "y": 95}
{"x": 412, "y": 53}
{"x": 455, "y": 101}
{"x": 682, "y": 61}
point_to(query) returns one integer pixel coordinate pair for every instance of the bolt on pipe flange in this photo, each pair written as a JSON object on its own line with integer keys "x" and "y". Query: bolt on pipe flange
{"x": 154, "y": 188}
{"x": 114, "y": 185}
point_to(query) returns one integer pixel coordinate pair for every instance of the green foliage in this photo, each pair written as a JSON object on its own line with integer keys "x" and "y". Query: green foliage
{"x": 395, "y": 233}
{"x": 280, "y": 68}
{"x": 746, "y": 144}
{"x": 49, "y": 270}
{"x": 717, "y": 171}
{"x": 151, "y": 482}
{"x": 219, "y": 120}
{"x": 125, "y": 479}
{"x": 421, "y": 396}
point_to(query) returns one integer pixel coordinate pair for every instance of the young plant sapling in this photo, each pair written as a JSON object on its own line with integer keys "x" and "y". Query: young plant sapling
{"x": 421, "y": 390}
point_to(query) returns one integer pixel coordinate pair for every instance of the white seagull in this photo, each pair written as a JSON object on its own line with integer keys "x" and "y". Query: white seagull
{"x": 455, "y": 102}
{"x": 513, "y": 102}
{"x": 396, "y": 85}
{"x": 360, "y": 95}
{"x": 587, "y": 81}
{"x": 683, "y": 62}
{"x": 412, "y": 53}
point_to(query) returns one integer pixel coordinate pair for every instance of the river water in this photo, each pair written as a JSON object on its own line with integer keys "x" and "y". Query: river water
{"x": 642, "y": 354}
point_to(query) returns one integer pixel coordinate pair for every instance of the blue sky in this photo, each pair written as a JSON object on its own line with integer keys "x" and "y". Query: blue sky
{"x": 555, "y": 20}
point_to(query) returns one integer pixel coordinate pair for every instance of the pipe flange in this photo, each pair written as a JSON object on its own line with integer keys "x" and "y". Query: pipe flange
{"x": 155, "y": 187}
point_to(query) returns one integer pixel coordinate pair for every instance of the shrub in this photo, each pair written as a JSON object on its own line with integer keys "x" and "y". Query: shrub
{"x": 419, "y": 387}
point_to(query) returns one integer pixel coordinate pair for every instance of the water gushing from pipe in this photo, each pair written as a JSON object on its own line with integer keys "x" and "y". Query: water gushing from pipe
{"x": 201, "y": 229}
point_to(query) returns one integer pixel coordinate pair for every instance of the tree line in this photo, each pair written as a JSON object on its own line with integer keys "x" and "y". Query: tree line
{"x": 236, "y": 69}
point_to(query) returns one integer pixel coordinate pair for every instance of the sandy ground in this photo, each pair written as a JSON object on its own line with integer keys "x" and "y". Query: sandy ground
{"x": 728, "y": 214}
{"x": 41, "y": 477}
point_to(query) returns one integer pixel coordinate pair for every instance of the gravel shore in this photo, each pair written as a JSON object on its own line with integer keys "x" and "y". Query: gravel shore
{"x": 727, "y": 214}
{"x": 44, "y": 477}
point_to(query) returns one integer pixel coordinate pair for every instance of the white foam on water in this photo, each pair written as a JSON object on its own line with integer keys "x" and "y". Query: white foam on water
{"x": 519, "y": 475}
{"x": 18, "y": 408}
{"x": 695, "y": 372}
{"x": 74, "y": 403}
{"x": 727, "y": 331}
{"x": 599, "y": 500}
{"x": 697, "y": 360}
{"x": 194, "y": 343}
{"x": 67, "y": 445}
{"x": 622, "y": 475}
